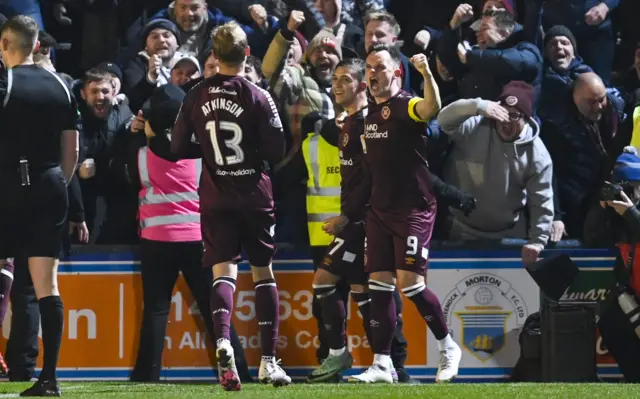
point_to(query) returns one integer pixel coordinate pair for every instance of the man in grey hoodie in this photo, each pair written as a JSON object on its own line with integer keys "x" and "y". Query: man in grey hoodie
{"x": 498, "y": 158}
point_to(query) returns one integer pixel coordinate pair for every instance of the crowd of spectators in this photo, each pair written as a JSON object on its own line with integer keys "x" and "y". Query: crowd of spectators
{"x": 582, "y": 58}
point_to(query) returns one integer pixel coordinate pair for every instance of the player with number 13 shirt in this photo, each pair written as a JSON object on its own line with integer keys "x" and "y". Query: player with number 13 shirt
{"x": 238, "y": 129}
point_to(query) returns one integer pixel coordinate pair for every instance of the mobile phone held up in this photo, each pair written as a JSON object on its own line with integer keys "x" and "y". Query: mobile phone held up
{"x": 610, "y": 192}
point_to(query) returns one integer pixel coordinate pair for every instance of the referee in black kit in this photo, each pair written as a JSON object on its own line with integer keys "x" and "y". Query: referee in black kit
{"x": 38, "y": 155}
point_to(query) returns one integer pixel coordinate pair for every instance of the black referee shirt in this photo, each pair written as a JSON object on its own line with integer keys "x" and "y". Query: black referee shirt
{"x": 35, "y": 107}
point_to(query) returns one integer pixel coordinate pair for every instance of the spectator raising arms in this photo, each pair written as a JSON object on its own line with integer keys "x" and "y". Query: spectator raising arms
{"x": 302, "y": 88}
{"x": 499, "y": 57}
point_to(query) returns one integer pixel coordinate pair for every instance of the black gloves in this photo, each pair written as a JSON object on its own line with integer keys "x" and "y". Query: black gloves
{"x": 452, "y": 196}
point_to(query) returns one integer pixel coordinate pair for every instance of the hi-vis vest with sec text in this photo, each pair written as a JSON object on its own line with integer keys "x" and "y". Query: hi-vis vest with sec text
{"x": 169, "y": 205}
{"x": 323, "y": 186}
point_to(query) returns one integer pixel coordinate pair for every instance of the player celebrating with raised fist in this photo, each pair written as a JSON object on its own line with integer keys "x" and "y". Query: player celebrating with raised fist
{"x": 403, "y": 209}
{"x": 238, "y": 128}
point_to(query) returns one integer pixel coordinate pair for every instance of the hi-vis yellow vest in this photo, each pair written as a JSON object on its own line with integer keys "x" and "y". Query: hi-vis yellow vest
{"x": 635, "y": 136}
{"x": 323, "y": 186}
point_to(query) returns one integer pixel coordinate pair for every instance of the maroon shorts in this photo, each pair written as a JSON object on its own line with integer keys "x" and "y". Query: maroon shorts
{"x": 345, "y": 255}
{"x": 393, "y": 244}
{"x": 227, "y": 233}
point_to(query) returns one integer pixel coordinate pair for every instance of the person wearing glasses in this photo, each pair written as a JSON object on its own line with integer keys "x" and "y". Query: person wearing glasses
{"x": 498, "y": 157}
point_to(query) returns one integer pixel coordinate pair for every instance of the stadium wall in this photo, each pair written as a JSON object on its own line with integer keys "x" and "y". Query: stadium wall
{"x": 486, "y": 295}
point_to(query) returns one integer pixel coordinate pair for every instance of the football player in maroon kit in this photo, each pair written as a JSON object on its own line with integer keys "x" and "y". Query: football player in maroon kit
{"x": 402, "y": 209}
{"x": 238, "y": 129}
{"x": 344, "y": 258}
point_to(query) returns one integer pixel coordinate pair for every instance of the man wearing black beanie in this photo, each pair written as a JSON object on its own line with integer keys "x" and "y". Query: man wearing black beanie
{"x": 562, "y": 67}
{"x": 560, "y": 31}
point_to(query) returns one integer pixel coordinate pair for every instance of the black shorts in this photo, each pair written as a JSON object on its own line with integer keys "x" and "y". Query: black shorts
{"x": 345, "y": 255}
{"x": 32, "y": 218}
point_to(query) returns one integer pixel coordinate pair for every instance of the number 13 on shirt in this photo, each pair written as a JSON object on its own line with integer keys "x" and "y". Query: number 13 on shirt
{"x": 232, "y": 144}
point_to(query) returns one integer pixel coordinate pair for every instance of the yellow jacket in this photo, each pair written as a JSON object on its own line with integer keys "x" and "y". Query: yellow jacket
{"x": 323, "y": 186}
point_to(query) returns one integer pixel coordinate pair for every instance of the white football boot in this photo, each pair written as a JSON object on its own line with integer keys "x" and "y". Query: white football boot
{"x": 449, "y": 363}
{"x": 377, "y": 373}
{"x": 227, "y": 371}
{"x": 271, "y": 373}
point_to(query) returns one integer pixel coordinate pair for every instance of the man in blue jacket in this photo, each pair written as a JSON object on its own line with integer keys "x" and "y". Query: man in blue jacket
{"x": 562, "y": 65}
{"x": 500, "y": 56}
{"x": 584, "y": 145}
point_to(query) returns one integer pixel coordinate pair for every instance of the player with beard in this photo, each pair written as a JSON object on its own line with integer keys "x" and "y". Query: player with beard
{"x": 344, "y": 256}
{"x": 403, "y": 209}
{"x": 238, "y": 129}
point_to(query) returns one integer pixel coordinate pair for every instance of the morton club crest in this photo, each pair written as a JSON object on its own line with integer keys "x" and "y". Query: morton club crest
{"x": 386, "y": 112}
{"x": 483, "y": 331}
{"x": 345, "y": 139}
{"x": 484, "y": 308}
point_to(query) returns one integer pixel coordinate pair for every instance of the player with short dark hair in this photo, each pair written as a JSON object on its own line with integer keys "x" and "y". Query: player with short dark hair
{"x": 344, "y": 256}
{"x": 238, "y": 129}
{"x": 403, "y": 209}
{"x": 38, "y": 116}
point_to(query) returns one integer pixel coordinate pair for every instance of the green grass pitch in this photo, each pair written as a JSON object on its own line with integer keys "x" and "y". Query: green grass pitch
{"x": 344, "y": 390}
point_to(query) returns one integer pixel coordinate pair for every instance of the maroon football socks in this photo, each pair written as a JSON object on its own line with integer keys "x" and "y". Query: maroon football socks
{"x": 268, "y": 313}
{"x": 221, "y": 300}
{"x": 364, "y": 305}
{"x": 429, "y": 307}
{"x": 334, "y": 314}
{"x": 383, "y": 316}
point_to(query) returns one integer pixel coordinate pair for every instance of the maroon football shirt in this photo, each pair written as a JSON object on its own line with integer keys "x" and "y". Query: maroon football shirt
{"x": 238, "y": 128}
{"x": 355, "y": 185}
{"x": 395, "y": 147}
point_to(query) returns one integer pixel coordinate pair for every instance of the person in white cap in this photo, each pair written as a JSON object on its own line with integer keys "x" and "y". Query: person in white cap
{"x": 184, "y": 70}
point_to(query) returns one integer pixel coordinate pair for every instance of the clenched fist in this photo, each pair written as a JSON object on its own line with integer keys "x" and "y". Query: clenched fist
{"x": 463, "y": 13}
{"x": 422, "y": 39}
{"x": 421, "y": 63}
{"x": 87, "y": 169}
{"x": 596, "y": 15}
{"x": 137, "y": 124}
{"x": 154, "y": 67}
{"x": 295, "y": 20}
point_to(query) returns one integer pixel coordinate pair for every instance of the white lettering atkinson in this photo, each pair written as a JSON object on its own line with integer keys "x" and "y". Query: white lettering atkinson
{"x": 222, "y": 104}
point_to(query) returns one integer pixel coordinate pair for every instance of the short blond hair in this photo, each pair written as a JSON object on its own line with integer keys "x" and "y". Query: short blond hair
{"x": 383, "y": 16}
{"x": 24, "y": 30}
{"x": 229, "y": 43}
